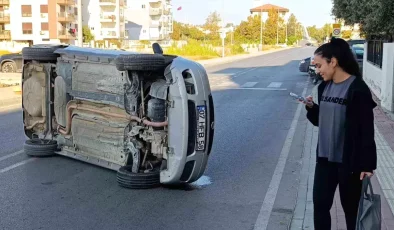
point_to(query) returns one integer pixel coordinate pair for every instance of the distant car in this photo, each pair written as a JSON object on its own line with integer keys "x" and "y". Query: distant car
{"x": 304, "y": 65}
{"x": 11, "y": 63}
{"x": 357, "y": 47}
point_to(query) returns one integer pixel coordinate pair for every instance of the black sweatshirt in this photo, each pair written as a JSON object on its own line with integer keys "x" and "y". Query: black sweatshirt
{"x": 359, "y": 153}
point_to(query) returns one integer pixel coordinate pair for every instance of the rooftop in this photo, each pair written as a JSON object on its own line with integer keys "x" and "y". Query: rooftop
{"x": 268, "y": 7}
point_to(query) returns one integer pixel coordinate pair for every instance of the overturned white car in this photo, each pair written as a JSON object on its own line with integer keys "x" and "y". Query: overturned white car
{"x": 150, "y": 117}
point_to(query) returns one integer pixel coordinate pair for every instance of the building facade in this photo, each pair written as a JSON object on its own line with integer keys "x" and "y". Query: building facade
{"x": 263, "y": 10}
{"x": 43, "y": 21}
{"x": 149, "y": 20}
{"x": 5, "y": 27}
{"x": 104, "y": 18}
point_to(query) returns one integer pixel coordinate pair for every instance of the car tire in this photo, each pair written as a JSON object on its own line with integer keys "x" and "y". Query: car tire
{"x": 41, "y": 52}
{"x": 140, "y": 62}
{"x": 8, "y": 67}
{"x": 40, "y": 147}
{"x": 127, "y": 179}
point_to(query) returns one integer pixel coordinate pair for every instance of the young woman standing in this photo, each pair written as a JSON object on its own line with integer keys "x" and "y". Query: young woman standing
{"x": 346, "y": 150}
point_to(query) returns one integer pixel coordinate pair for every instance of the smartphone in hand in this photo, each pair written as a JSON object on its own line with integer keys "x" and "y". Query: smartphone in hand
{"x": 300, "y": 98}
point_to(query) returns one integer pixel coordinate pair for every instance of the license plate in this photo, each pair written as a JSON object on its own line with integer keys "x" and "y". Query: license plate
{"x": 201, "y": 127}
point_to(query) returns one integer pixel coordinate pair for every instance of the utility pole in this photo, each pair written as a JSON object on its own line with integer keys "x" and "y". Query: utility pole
{"x": 80, "y": 32}
{"x": 277, "y": 29}
{"x": 261, "y": 28}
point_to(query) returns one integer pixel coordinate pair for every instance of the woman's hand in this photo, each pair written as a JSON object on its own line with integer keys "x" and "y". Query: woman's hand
{"x": 309, "y": 102}
{"x": 363, "y": 174}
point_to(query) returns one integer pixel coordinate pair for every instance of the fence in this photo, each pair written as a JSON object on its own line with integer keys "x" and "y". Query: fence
{"x": 375, "y": 52}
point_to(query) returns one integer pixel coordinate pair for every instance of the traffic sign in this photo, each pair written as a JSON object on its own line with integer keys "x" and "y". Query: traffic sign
{"x": 223, "y": 35}
{"x": 336, "y": 30}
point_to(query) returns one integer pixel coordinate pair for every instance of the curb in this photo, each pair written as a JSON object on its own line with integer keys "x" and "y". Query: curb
{"x": 11, "y": 102}
{"x": 229, "y": 59}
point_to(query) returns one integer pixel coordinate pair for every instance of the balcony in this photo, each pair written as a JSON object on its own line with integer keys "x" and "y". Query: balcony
{"x": 107, "y": 2}
{"x": 66, "y": 35}
{"x": 154, "y": 24}
{"x": 107, "y": 18}
{"x": 66, "y": 2}
{"x": 4, "y": 18}
{"x": 4, "y": 2}
{"x": 155, "y": 11}
{"x": 109, "y": 34}
{"x": 66, "y": 17}
{"x": 5, "y": 35}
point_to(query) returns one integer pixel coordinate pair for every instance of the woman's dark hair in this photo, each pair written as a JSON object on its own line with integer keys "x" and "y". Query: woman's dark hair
{"x": 341, "y": 50}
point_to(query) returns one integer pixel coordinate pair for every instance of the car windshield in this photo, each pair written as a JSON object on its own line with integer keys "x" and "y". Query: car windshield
{"x": 358, "y": 48}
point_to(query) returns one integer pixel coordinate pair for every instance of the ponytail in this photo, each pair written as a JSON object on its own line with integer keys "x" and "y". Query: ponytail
{"x": 340, "y": 49}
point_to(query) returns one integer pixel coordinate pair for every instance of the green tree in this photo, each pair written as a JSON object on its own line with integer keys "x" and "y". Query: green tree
{"x": 292, "y": 24}
{"x": 273, "y": 25}
{"x": 177, "y": 31}
{"x": 212, "y": 24}
{"x": 346, "y": 34}
{"x": 87, "y": 34}
{"x": 248, "y": 31}
{"x": 374, "y": 16}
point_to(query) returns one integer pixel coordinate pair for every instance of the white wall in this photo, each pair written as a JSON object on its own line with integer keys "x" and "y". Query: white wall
{"x": 36, "y": 19}
{"x": 381, "y": 81}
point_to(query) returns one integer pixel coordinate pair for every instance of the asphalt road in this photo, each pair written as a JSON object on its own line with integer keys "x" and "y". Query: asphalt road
{"x": 252, "y": 176}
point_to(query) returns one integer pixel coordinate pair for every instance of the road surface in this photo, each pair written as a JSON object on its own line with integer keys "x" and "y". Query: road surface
{"x": 251, "y": 181}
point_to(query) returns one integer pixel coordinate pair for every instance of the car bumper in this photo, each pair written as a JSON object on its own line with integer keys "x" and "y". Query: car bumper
{"x": 185, "y": 162}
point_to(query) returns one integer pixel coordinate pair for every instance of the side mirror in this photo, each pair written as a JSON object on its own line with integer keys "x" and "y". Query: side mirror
{"x": 157, "y": 48}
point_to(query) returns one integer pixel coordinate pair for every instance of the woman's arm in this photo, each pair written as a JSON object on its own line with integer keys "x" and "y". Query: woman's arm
{"x": 313, "y": 114}
{"x": 368, "y": 156}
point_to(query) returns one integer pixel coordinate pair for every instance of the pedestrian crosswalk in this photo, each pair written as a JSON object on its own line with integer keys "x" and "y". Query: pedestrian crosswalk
{"x": 221, "y": 83}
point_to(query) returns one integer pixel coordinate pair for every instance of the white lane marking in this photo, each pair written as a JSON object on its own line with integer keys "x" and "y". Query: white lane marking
{"x": 249, "y": 84}
{"x": 17, "y": 165}
{"x": 243, "y": 72}
{"x": 270, "y": 196}
{"x": 263, "y": 89}
{"x": 10, "y": 155}
{"x": 275, "y": 85}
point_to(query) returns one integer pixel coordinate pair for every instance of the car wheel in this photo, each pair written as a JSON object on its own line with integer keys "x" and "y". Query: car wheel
{"x": 140, "y": 62}
{"x": 128, "y": 179}
{"x": 41, "y": 53}
{"x": 8, "y": 67}
{"x": 40, "y": 147}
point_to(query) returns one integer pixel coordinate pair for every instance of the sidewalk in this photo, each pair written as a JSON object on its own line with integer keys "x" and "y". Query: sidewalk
{"x": 383, "y": 181}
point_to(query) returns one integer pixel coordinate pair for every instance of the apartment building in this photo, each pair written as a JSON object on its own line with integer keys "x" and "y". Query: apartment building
{"x": 105, "y": 18}
{"x": 43, "y": 21}
{"x": 149, "y": 19}
{"x": 5, "y": 27}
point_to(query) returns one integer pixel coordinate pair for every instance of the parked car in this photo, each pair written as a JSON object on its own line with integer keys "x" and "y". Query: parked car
{"x": 11, "y": 63}
{"x": 357, "y": 47}
{"x": 304, "y": 64}
{"x": 313, "y": 73}
{"x": 150, "y": 117}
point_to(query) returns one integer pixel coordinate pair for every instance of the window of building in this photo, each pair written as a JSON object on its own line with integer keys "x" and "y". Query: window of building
{"x": 27, "y": 28}
{"x": 143, "y": 6}
{"x": 44, "y": 9}
{"x": 44, "y": 26}
{"x": 26, "y": 10}
{"x": 144, "y": 31}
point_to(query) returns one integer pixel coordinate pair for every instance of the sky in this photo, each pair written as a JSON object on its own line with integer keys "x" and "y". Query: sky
{"x": 308, "y": 12}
